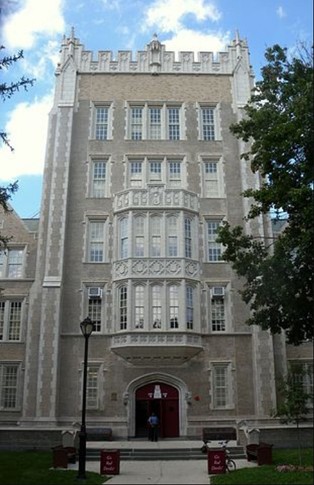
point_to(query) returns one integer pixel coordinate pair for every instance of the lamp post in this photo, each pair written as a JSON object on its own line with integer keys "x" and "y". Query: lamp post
{"x": 86, "y": 328}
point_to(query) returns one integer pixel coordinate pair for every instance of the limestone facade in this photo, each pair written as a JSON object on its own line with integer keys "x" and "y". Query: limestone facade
{"x": 140, "y": 170}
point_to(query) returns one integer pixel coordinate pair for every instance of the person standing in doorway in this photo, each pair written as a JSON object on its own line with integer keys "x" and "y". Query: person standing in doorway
{"x": 153, "y": 423}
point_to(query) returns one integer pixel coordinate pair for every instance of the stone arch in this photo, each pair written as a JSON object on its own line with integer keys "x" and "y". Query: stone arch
{"x": 152, "y": 377}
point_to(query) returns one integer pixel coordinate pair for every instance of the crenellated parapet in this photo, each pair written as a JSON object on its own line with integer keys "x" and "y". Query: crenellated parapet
{"x": 154, "y": 60}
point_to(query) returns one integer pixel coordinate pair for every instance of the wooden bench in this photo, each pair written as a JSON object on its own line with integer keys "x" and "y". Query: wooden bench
{"x": 99, "y": 434}
{"x": 219, "y": 433}
{"x": 261, "y": 453}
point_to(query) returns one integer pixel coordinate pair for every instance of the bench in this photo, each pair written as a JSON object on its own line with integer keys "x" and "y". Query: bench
{"x": 222, "y": 433}
{"x": 99, "y": 434}
{"x": 261, "y": 453}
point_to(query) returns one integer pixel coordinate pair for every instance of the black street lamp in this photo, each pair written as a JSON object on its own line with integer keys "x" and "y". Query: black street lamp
{"x": 86, "y": 328}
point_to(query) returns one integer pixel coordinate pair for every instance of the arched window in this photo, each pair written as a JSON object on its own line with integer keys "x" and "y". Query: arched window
{"x": 139, "y": 237}
{"x": 139, "y": 307}
{"x": 123, "y": 307}
{"x": 174, "y": 306}
{"x": 187, "y": 238}
{"x": 189, "y": 308}
{"x": 156, "y": 306}
{"x": 172, "y": 236}
{"x": 124, "y": 238}
{"x": 155, "y": 236}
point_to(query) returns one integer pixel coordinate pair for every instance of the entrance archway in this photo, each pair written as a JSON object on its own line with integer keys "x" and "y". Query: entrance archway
{"x": 163, "y": 400}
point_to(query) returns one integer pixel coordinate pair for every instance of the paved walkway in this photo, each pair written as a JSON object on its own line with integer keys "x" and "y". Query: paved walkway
{"x": 159, "y": 471}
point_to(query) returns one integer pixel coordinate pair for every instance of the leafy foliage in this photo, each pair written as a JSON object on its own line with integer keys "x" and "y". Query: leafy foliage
{"x": 278, "y": 129}
{"x": 6, "y": 92}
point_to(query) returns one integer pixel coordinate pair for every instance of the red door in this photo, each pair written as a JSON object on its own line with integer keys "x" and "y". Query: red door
{"x": 163, "y": 400}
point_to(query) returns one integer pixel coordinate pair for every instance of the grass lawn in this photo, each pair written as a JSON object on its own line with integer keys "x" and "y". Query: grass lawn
{"x": 35, "y": 468}
{"x": 268, "y": 475}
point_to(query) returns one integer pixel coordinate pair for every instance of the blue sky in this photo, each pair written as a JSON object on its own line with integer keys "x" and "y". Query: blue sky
{"x": 37, "y": 27}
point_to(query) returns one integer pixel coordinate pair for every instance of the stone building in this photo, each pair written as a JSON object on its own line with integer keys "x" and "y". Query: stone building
{"x": 141, "y": 169}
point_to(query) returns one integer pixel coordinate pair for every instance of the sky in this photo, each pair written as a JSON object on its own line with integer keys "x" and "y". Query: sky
{"x": 38, "y": 26}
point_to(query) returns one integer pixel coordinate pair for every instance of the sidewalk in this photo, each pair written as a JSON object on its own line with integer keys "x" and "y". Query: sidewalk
{"x": 162, "y": 472}
{"x": 183, "y": 472}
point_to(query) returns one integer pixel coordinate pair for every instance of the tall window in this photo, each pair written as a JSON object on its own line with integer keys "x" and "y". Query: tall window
{"x": 303, "y": 374}
{"x": 139, "y": 236}
{"x": 136, "y": 115}
{"x": 154, "y": 122}
{"x": 173, "y": 123}
{"x": 10, "y": 320}
{"x": 213, "y": 248}
{"x": 211, "y": 179}
{"x": 11, "y": 263}
{"x": 207, "y": 123}
{"x": 92, "y": 387}
{"x": 187, "y": 238}
{"x": 220, "y": 385}
{"x": 123, "y": 306}
{"x": 155, "y": 249}
{"x": 154, "y": 130}
{"x": 189, "y": 308}
{"x": 9, "y": 374}
{"x": 95, "y": 311}
{"x": 99, "y": 168}
{"x": 172, "y": 236}
{"x": 101, "y": 122}
{"x": 156, "y": 306}
{"x": 124, "y": 241}
{"x": 139, "y": 307}
{"x": 218, "y": 319}
{"x": 174, "y": 306}
{"x": 96, "y": 242}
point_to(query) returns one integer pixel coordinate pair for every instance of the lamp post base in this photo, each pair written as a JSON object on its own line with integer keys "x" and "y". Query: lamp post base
{"x": 82, "y": 454}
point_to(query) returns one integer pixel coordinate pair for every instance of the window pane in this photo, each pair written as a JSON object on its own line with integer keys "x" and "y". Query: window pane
{"x": 173, "y": 123}
{"x": 101, "y": 127}
{"x": 173, "y": 306}
{"x": 96, "y": 242}
{"x": 94, "y": 312}
{"x": 136, "y": 123}
{"x": 189, "y": 308}
{"x": 15, "y": 320}
{"x": 124, "y": 238}
{"x": 188, "y": 238}
{"x": 156, "y": 304}
{"x": 220, "y": 386}
{"x": 15, "y": 261}
{"x": 154, "y": 123}
{"x": 9, "y": 387}
{"x": 218, "y": 314}
{"x": 2, "y": 307}
{"x": 123, "y": 308}
{"x": 139, "y": 307}
{"x": 92, "y": 387}
{"x": 155, "y": 170}
{"x": 208, "y": 123}
{"x": 99, "y": 179}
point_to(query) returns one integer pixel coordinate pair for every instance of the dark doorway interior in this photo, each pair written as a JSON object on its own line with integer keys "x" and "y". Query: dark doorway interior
{"x": 163, "y": 400}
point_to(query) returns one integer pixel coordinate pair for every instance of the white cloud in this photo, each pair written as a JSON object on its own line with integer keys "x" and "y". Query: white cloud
{"x": 189, "y": 40}
{"x": 43, "y": 61}
{"x": 280, "y": 12}
{"x": 36, "y": 17}
{"x": 168, "y": 15}
{"x": 27, "y": 131}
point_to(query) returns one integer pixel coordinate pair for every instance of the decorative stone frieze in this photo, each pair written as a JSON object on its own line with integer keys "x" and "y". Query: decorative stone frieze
{"x": 161, "y": 267}
{"x": 155, "y": 196}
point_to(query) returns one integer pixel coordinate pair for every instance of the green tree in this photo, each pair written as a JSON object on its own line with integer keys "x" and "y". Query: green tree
{"x": 294, "y": 401}
{"x": 278, "y": 131}
{"x": 6, "y": 92}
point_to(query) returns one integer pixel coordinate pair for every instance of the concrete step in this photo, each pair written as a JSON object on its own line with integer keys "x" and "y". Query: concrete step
{"x": 146, "y": 454}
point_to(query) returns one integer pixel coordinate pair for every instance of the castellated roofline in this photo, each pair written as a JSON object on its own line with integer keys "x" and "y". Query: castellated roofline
{"x": 154, "y": 60}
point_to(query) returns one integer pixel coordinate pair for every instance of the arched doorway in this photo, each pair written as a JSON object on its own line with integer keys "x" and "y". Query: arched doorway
{"x": 163, "y": 400}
